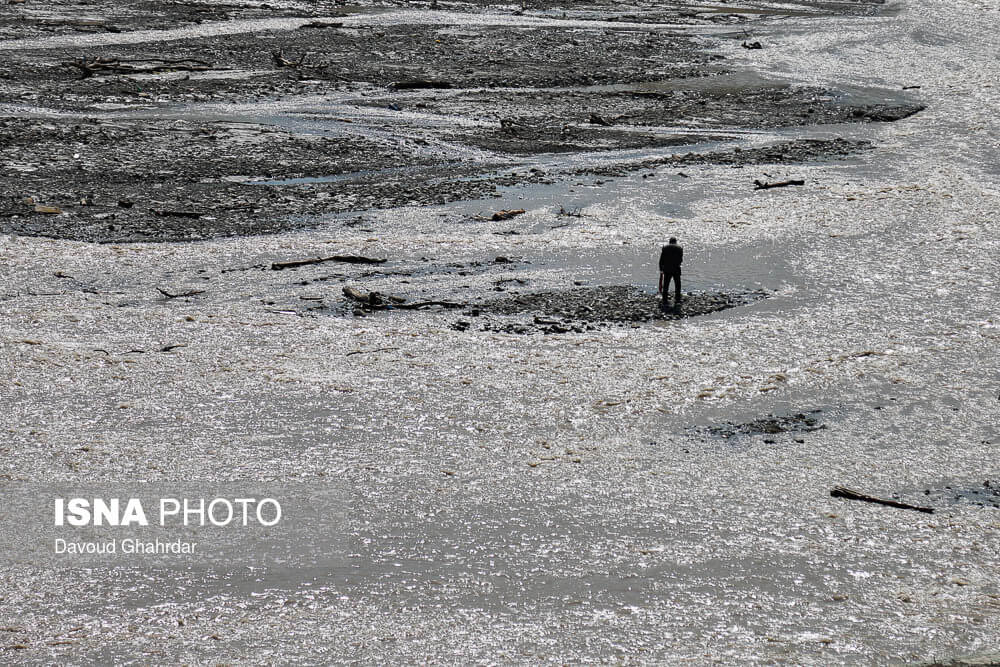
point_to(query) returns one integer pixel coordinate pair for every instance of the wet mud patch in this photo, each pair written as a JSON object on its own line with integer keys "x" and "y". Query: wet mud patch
{"x": 768, "y": 425}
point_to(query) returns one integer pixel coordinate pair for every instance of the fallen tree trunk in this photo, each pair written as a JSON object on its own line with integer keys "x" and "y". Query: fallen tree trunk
{"x": 507, "y": 214}
{"x": 379, "y": 301}
{"x": 843, "y": 492}
{"x": 167, "y": 213}
{"x": 371, "y": 298}
{"x": 419, "y": 84}
{"x": 322, "y": 24}
{"x": 596, "y": 119}
{"x": 347, "y": 259}
{"x": 94, "y": 66}
{"x": 424, "y": 304}
{"x": 280, "y": 61}
{"x": 180, "y": 295}
{"x": 758, "y": 185}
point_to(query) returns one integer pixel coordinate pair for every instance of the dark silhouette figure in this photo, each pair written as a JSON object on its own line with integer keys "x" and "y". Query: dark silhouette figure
{"x": 671, "y": 258}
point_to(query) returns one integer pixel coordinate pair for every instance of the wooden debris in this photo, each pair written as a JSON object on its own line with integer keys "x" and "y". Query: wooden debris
{"x": 167, "y": 213}
{"x": 96, "y": 66}
{"x": 347, "y": 259}
{"x": 759, "y": 185}
{"x": 596, "y": 119}
{"x": 51, "y": 210}
{"x": 168, "y": 348}
{"x": 372, "y": 298}
{"x": 322, "y": 24}
{"x": 181, "y": 295}
{"x": 378, "y": 349}
{"x": 426, "y": 304}
{"x": 419, "y": 84}
{"x": 280, "y": 61}
{"x": 843, "y": 492}
{"x": 507, "y": 215}
{"x": 379, "y": 301}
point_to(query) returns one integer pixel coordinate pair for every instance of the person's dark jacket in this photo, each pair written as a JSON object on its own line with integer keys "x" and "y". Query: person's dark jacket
{"x": 671, "y": 258}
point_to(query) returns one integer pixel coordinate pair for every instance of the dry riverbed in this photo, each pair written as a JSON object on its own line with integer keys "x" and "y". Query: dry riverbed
{"x": 407, "y": 250}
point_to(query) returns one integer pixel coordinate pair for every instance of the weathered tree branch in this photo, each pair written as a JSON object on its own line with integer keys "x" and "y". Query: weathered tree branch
{"x": 347, "y": 259}
{"x": 180, "y": 295}
{"x": 758, "y": 185}
{"x": 843, "y": 492}
{"x": 94, "y": 66}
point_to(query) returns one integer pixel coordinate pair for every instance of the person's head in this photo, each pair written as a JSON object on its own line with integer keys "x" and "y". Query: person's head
{"x": 673, "y": 240}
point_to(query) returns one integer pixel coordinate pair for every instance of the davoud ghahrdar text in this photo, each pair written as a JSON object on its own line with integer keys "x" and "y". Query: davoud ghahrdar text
{"x": 166, "y": 513}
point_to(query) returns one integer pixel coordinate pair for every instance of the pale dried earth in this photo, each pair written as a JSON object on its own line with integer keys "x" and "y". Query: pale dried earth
{"x": 627, "y": 492}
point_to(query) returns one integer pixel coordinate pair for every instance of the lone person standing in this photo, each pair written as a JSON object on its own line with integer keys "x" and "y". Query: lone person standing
{"x": 671, "y": 258}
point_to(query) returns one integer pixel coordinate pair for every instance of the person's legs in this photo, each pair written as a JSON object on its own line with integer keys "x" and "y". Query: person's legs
{"x": 677, "y": 287}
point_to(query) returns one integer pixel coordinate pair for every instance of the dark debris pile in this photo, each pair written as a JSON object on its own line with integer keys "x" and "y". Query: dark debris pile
{"x": 586, "y": 308}
{"x": 800, "y": 422}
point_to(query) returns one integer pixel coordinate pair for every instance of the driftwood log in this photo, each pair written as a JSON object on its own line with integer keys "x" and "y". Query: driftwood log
{"x": 167, "y": 213}
{"x": 848, "y": 494}
{"x": 280, "y": 61}
{"x": 347, "y": 259}
{"x": 420, "y": 84}
{"x": 379, "y": 301}
{"x": 507, "y": 214}
{"x": 322, "y": 24}
{"x": 759, "y": 185}
{"x": 180, "y": 295}
{"x": 93, "y": 66}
